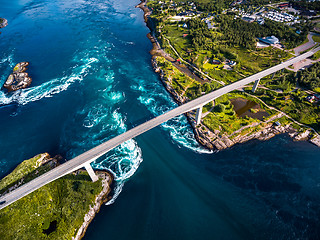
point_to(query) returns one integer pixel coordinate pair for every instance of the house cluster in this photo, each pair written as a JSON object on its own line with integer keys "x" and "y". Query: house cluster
{"x": 248, "y": 17}
{"x": 231, "y": 63}
{"x": 188, "y": 14}
{"x": 186, "y": 5}
{"x": 279, "y": 16}
{"x": 208, "y": 21}
{"x": 313, "y": 98}
{"x": 251, "y": 19}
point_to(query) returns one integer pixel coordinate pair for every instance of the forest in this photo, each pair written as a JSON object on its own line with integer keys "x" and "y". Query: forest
{"x": 239, "y": 32}
{"x": 310, "y": 78}
{"x": 212, "y": 6}
{"x": 244, "y": 34}
{"x": 306, "y": 5}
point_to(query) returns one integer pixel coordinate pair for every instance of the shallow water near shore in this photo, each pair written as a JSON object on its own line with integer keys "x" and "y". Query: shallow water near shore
{"x": 92, "y": 80}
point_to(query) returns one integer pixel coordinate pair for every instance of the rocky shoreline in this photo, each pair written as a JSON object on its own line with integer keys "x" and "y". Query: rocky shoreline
{"x": 208, "y": 139}
{"x": 103, "y": 197}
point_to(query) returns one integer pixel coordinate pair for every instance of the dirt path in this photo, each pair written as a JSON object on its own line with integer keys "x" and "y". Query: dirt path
{"x": 196, "y": 69}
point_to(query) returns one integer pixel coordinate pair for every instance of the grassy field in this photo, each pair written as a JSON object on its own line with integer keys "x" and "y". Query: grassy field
{"x": 248, "y": 61}
{"x": 294, "y": 104}
{"x": 224, "y": 118}
{"x": 25, "y": 168}
{"x": 316, "y": 38}
{"x": 181, "y": 83}
{"x": 316, "y": 56}
{"x": 54, "y": 211}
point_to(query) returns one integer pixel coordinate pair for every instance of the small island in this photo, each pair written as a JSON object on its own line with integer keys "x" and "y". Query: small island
{"x": 61, "y": 209}
{"x": 3, "y": 22}
{"x": 19, "y": 79}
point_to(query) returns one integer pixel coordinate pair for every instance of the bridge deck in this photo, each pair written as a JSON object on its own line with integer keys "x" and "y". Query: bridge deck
{"x": 103, "y": 148}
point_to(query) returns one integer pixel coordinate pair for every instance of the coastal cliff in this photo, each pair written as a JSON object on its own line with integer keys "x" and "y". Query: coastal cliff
{"x": 62, "y": 209}
{"x": 218, "y": 139}
{"x": 103, "y": 197}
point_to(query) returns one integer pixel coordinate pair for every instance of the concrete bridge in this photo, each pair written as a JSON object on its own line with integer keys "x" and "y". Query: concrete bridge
{"x": 86, "y": 158}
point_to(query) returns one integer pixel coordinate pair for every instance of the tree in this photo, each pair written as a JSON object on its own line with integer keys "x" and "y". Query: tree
{"x": 220, "y": 108}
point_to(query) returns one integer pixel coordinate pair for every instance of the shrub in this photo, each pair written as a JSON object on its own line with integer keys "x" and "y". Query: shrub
{"x": 220, "y": 108}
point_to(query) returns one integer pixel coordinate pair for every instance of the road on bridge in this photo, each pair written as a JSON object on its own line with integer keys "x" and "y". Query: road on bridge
{"x": 94, "y": 153}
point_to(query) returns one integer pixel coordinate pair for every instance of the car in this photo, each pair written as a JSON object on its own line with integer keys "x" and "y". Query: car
{"x": 2, "y": 202}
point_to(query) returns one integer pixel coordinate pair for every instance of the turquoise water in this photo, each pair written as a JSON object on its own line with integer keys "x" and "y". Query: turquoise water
{"x": 92, "y": 80}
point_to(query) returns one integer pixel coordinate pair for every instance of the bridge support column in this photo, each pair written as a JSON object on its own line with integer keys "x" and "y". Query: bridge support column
{"x": 198, "y": 115}
{"x": 255, "y": 86}
{"x": 89, "y": 169}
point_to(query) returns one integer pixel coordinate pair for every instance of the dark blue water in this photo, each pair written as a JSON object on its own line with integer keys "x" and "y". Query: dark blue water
{"x": 92, "y": 80}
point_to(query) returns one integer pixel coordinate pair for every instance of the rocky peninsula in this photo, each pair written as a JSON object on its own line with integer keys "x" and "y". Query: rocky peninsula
{"x": 19, "y": 78}
{"x": 3, "y": 22}
{"x": 62, "y": 209}
{"x": 219, "y": 139}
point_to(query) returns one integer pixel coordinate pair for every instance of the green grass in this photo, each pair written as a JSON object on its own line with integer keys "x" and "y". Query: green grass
{"x": 181, "y": 83}
{"x": 226, "y": 121}
{"x": 65, "y": 200}
{"x": 293, "y": 104}
{"x": 26, "y": 168}
{"x": 316, "y": 56}
{"x": 249, "y": 61}
{"x": 209, "y": 66}
{"x": 316, "y": 38}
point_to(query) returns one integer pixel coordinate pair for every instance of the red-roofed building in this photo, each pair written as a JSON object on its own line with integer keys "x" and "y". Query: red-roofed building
{"x": 283, "y": 5}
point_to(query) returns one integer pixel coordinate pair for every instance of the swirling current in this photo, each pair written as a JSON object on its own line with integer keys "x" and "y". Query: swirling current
{"x": 92, "y": 80}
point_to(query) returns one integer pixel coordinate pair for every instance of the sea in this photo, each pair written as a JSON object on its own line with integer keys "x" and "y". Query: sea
{"x": 93, "y": 80}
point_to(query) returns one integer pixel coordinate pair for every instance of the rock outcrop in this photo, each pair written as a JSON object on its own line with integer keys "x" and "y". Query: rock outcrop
{"x": 19, "y": 79}
{"x": 316, "y": 141}
{"x": 3, "y": 22}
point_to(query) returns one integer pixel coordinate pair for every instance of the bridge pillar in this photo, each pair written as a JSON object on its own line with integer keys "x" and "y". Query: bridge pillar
{"x": 198, "y": 115}
{"x": 89, "y": 169}
{"x": 255, "y": 86}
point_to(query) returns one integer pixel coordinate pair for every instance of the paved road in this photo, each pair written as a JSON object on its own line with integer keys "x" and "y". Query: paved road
{"x": 305, "y": 46}
{"x": 100, "y": 150}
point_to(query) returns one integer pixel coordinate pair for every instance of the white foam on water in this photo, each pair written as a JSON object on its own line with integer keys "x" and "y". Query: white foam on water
{"x": 123, "y": 161}
{"x": 158, "y": 103}
{"x": 178, "y": 127}
{"x": 50, "y": 88}
{"x": 8, "y": 60}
